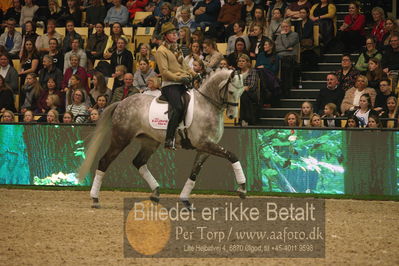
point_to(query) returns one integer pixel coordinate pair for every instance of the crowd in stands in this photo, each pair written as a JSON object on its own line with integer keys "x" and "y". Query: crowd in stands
{"x": 52, "y": 75}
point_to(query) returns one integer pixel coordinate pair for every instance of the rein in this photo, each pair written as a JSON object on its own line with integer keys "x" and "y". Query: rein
{"x": 224, "y": 104}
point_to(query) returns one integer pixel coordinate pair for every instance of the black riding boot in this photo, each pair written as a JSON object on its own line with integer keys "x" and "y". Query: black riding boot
{"x": 171, "y": 130}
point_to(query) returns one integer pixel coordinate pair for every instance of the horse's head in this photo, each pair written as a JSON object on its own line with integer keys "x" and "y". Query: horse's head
{"x": 232, "y": 94}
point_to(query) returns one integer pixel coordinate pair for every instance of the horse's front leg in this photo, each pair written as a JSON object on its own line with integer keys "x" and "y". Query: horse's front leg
{"x": 217, "y": 150}
{"x": 199, "y": 161}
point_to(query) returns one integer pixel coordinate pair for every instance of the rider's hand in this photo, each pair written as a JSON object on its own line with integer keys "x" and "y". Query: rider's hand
{"x": 185, "y": 80}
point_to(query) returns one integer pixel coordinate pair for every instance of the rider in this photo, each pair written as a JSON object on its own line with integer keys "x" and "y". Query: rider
{"x": 175, "y": 77}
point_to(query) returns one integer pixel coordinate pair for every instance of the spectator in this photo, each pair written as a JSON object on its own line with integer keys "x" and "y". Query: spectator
{"x": 71, "y": 12}
{"x": 96, "y": 13}
{"x": 224, "y": 64}
{"x": 248, "y": 12}
{"x": 120, "y": 72}
{"x": 188, "y": 7}
{"x": 76, "y": 50}
{"x": 375, "y": 74}
{"x": 122, "y": 56}
{"x": 378, "y": 30}
{"x": 134, "y": 6}
{"x": 126, "y": 90}
{"x": 259, "y": 19}
{"x": 347, "y": 74}
{"x": 6, "y": 97}
{"x": 383, "y": 93}
{"x": 185, "y": 19}
{"x": 30, "y": 94}
{"x": 184, "y": 40}
{"x": 390, "y": 59}
{"x": 332, "y": 93}
{"x": 323, "y": 14}
{"x": 267, "y": 58}
{"x": 286, "y": 47}
{"x": 330, "y": 115}
{"x": 195, "y": 54}
{"x": 53, "y": 102}
{"x": 7, "y": 117}
{"x": 238, "y": 29}
{"x": 29, "y": 34}
{"x": 206, "y": 13}
{"x": 29, "y": 60}
{"x": 42, "y": 43}
{"x": 364, "y": 110}
{"x": 99, "y": 88}
{"x": 51, "y": 89}
{"x": 52, "y": 117}
{"x": 101, "y": 103}
{"x": 70, "y": 35}
{"x": 56, "y": 54}
{"x": 12, "y": 10}
{"x": 308, "y": 55}
{"x": 291, "y": 119}
{"x": 229, "y": 13}
{"x": 197, "y": 36}
{"x": 75, "y": 69}
{"x": 292, "y": 11}
{"x": 12, "y": 39}
{"x": 27, "y": 12}
{"x": 352, "y": 96}
{"x": 78, "y": 107}
{"x": 9, "y": 73}
{"x": 75, "y": 83}
{"x": 213, "y": 57}
{"x": 49, "y": 70}
{"x": 238, "y": 51}
{"x": 315, "y": 120}
{"x": 353, "y": 122}
{"x": 145, "y": 53}
{"x": 94, "y": 116}
{"x": 118, "y": 13}
{"x": 374, "y": 122}
{"x": 305, "y": 114}
{"x": 362, "y": 63}
{"x": 352, "y": 30}
{"x": 275, "y": 24}
{"x": 200, "y": 73}
{"x": 68, "y": 117}
{"x": 166, "y": 16}
{"x": 153, "y": 85}
{"x": 143, "y": 73}
{"x": 96, "y": 44}
{"x": 249, "y": 101}
{"x": 391, "y": 28}
{"x": 257, "y": 39}
{"x": 53, "y": 11}
{"x": 390, "y": 115}
{"x": 28, "y": 117}
{"x": 280, "y": 4}
{"x": 116, "y": 33}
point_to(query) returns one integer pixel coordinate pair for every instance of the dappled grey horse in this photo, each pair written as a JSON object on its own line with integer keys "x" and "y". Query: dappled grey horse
{"x": 129, "y": 120}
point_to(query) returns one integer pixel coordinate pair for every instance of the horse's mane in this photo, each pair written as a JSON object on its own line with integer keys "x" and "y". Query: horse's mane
{"x": 214, "y": 79}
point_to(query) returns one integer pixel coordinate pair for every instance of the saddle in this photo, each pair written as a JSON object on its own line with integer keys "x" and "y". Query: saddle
{"x": 185, "y": 98}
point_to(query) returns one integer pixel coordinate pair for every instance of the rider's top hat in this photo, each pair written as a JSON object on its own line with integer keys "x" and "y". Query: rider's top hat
{"x": 167, "y": 27}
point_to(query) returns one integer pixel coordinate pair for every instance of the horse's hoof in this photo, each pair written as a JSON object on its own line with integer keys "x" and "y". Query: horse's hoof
{"x": 96, "y": 203}
{"x": 242, "y": 192}
{"x": 187, "y": 204}
{"x": 155, "y": 196}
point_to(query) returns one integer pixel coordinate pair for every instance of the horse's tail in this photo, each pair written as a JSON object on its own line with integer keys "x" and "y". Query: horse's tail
{"x": 103, "y": 128}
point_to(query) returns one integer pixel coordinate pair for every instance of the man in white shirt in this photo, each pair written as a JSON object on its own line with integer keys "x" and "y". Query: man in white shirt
{"x": 11, "y": 39}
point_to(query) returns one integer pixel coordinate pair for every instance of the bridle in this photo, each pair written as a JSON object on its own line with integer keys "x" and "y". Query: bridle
{"x": 223, "y": 91}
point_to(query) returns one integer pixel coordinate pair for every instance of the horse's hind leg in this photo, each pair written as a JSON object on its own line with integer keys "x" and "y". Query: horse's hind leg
{"x": 116, "y": 147}
{"x": 217, "y": 150}
{"x": 199, "y": 161}
{"x": 148, "y": 147}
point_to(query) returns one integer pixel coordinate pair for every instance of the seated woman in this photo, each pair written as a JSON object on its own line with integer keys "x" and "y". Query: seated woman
{"x": 315, "y": 121}
{"x": 28, "y": 34}
{"x": 240, "y": 49}
{"x": 31, "y": 92}
{"x": 362, "y": 62}
{"x": 249, "y": 100}
{"x": 142, "y": 74}
{"x": 74, "y": 84}
{"x": 48, "y": 71}
{"x": 213, "y": 57}
{"x": 323, "y": 14}
{"x": 153, "y": 85}
{"x": 364, "y": 110}
{"x": 77, "y": 106}
{"x": 52, "y": 117}
{"x": 267, "y": 57}
{"x": 391, "y": 27}
{"x": 375, "y": 74}
{"x": 238, "y": 29}
{"x": 184, "y": 40}
{"x": 68, "y": 118}
{"x": 199, "y": 69}
{"x": 94, "y": 116}
{"x": 99, "y": 88}
{"x": 96, "y": 44}
{"x": 374, "y": 122}
{"x": 378, "y": 30}
{"x": 390, "y": 115}
{"x": 384, "y": 92}
{"x": 78, "y": 71}
{"x": 145, "y": 53}
{"x": 56, "y": 54}
{"x": 291, "y": 119}
{"x": 257, "y": 39}
{"x": 6, "y": 97}
{"x": 306, "y": 113}
{"x": 71, "y": 34}
{"x": 352, "y": 96}
{"x": 292, "y": 11}
{"x": 275, "y": 24}
{"x": 29, "y": 60}
{"x": 51, "y": 88}
{"x": 352, "y": 122}
{"x": 196, "y": 53}
{"x": 120, "y": 72}
{"x": 352, "y": 30}
{"x": 7, "y": 116}
{"x": 101, "y": 103}
{"x": 116, "y": 33}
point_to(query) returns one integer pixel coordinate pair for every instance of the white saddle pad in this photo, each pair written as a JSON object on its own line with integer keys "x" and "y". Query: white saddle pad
{"x": 158, "y": 116}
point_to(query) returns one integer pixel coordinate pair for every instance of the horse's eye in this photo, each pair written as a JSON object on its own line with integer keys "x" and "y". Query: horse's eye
{"x": 230, "y": 92}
